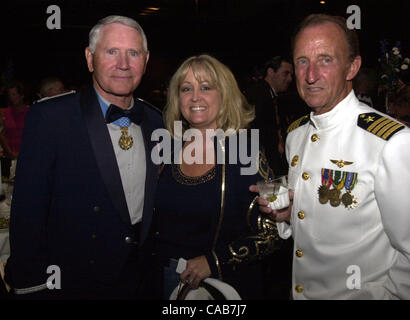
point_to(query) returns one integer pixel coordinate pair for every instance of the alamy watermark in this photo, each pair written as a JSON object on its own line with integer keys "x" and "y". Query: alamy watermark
{"x": 353, "y": 281}
{"x": 54, "y": 281}
{"x": 54, "y": 20}
{"x": 354, "y": 21}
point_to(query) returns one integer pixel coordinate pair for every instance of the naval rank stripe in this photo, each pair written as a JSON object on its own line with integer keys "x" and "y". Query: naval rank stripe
{"x": 379, "y": 125}
{"x": 385, "y": 128}
{"x": 397, "y": 127}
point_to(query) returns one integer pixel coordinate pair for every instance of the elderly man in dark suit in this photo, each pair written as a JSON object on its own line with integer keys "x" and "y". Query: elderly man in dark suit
{"x": 83, "y": 196}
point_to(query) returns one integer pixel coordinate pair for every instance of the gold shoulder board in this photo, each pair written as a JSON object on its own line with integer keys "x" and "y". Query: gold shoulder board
{"x": 297, "y": 123}
{"x": 379, "y": 125}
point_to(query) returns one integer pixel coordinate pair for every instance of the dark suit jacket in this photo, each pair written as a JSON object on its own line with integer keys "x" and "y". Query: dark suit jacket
{"x": 69, "y": 207}
{"x": 265, "y": 120}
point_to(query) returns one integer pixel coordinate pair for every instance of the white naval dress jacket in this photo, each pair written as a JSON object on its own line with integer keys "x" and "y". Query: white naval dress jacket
{"x": 359, "y": 251}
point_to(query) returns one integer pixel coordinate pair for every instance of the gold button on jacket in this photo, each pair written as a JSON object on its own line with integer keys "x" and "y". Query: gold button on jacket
{"x": 295, "y": 160}
{"x": 314, "y": 137}
{"x": 299, "y": 288}
{"x": 305, "y": 176}
{"x": 299, "y": 253}
{"x": 301, "y": 215}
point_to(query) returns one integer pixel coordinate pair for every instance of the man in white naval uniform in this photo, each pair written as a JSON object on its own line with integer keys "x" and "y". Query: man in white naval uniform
{"x": 350, "y": 175}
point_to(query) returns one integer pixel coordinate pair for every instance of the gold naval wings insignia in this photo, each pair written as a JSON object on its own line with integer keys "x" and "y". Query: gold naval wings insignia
{"x": 341, "y": 163}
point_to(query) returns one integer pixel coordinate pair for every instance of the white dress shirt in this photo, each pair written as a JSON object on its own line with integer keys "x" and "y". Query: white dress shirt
{"x": 131, "y": 163}
{"x": 132, "y": 167}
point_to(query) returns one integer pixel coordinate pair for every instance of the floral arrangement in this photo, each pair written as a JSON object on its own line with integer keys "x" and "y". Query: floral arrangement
{"x": 392, "y": 64}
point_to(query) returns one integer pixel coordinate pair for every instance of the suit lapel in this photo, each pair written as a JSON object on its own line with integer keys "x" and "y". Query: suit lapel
{"x": 151, "y": 177}
{"x": 104, "y": 151}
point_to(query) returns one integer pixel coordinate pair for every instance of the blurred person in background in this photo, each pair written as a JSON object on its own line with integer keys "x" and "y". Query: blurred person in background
{"x": 13, "y": 118}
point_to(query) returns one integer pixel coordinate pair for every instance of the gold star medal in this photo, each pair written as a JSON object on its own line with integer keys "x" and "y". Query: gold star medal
{"x": 125, "y": 142}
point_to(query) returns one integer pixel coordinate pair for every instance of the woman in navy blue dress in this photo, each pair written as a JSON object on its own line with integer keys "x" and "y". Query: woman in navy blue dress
{"x": 204, "y": 210}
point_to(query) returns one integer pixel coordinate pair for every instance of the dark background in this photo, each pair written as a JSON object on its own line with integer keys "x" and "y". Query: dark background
{"x": 241, "y": 33}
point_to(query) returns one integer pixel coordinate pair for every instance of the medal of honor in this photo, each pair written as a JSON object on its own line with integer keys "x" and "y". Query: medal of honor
{"x": 125, "y": 142}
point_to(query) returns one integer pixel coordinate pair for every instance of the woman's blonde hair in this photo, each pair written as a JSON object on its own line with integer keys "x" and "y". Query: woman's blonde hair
{"x": 235, "y": 112}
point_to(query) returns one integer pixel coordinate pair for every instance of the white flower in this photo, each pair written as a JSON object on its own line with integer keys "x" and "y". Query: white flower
{"x": 407, "y": 60}
{"x": 404, "y": 67}
{"x": 383, "y": 76}
{"x": 397, "y": 69}
{"x": 395, "y": 50}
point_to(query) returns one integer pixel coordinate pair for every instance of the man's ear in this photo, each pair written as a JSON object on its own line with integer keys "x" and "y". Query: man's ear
{"x": 89, "y": 58}
{"x": 354, "y": 68}
{"x": 146, "y": 60}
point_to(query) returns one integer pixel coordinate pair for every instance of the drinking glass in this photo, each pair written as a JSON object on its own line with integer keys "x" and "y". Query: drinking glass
{"x": 275, "y": 191}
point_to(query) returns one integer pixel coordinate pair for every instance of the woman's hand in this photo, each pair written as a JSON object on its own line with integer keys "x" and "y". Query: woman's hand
{"x": 196, "y": 270}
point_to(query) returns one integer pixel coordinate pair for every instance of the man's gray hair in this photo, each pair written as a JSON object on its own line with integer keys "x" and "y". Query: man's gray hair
{"x": 95, "y": 32}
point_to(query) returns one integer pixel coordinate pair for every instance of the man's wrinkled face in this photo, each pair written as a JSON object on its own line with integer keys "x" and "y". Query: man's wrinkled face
{"x": 322, "y": 66}
{"x": 119, "y": 61}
